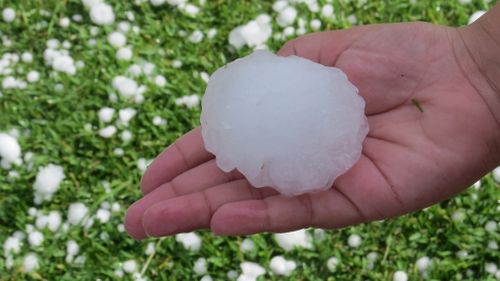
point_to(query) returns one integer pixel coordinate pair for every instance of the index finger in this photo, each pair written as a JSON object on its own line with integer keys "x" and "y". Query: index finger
{"x": 184, "y": 154}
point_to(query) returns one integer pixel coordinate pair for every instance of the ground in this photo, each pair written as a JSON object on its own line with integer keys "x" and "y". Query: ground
{"x": 56, "y": 119}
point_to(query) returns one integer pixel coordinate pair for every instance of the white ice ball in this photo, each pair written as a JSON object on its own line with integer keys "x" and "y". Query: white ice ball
{"x": 8, "y": 14}
{"x": 288, "y": 123}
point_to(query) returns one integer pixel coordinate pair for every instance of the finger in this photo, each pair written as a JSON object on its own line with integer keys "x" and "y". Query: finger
{"x": 326, "y": 209}
{"x": 194, "y": 211}
{"x": 204, "y": 176}
{"x": 186, "y": 153}
{"x": 322, "y": 47}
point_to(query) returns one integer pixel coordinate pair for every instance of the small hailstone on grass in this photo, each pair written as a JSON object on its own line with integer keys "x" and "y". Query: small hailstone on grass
{"x": 160, "y": 80}
{"x": 102, "y": 14}
{"x": 247, "y": 245}
{"x": 319, "y": 234}
{"x": 106, "y": 114}
{"x": 150, "y": 249}
{"x": 200, "y": 266}
{"x": 117, "y": 39}
{"x": 211, "y": 33}
{"x": 124, "y": 26}
{"x": 190, "y": 241}
{"x": 176, "y": 64}
{"x": 125, "y": 86}
{"x": 491, "y": 268}
{"x": 458, "y": 216}
{"x": 120, "y": 227}
{"x": 103, "y": 215}
{"x": 33, "y": 76}
{"x": 475, "y": 16}
{"x": 47, "y": 182}
{"x": 206, "y": 278}
{"x": 423, "y": 263}
{"x": 496, "y": 174}
{"x": 27, "y": 57}
{"x": 462, "y": 254}
{"x": 35, "y": 238}
{"x": 204, "y": 76}
{"x": 287, "y": 16}
{"x": 492, "y": 245}
{"x": 332, "y": 263}
{"x": 8, "y": 14}
{"x": 148, "y": 68}
{"x": 77, "y": 17}
{"x": 253, "y": 34}
{"x": 352, "y": 19}
{"x": 400, "y": 276}
{"x": 118, "y": 273}
{"x": 289, "y": 240}
{"x": 124, "y": 53}
{"x": 126, "y": 115}
{"x": 232, "y": 274}
{"x": 32, "y": 211}
{"x": 10, "y": 151}
{"x": 157, "y": 2}
{"x": 158, "y": 121}
{"x": 130, "y": 266}
{"x": 115, "y": 207}
{"x": 72, "y": 248}
{"x": 142, "y": 164}
{"x": 280, "y": 5}
{"x": 108, "y": 131}
{"x": 289, "y": 31}
{"x": 77, "y": 212}
{"x": 188, "y": 101}
{"x": 250, "y": 271}
{"x": 315, "y": 24}
{"x": 126, "y": 136}
{"x": 191, "y": 9}
{"x": 354, "y": 240}
{"x": 280, "y": 266}
{"x": 327, "y": 10}
{"x": 54, "y": 220}
{"x": 491, "y": 226}
{"x": 118, "y": 151}
{"x": 64, "y": 22}
{"x": 11, "y": 245}
{"x": 30, "y": 262}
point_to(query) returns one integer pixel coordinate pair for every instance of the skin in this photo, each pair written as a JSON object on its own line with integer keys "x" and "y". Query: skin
{"x": 411, "y": 158}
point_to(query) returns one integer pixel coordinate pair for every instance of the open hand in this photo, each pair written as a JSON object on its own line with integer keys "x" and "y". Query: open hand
{"x": 431, "y": 136}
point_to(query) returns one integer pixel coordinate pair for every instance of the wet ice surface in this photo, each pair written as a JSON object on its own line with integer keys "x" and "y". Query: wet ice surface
{"x": 288, "y": 123}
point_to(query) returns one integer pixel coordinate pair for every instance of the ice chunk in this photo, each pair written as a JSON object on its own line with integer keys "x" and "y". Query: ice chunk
{"x": 288, "y": 123}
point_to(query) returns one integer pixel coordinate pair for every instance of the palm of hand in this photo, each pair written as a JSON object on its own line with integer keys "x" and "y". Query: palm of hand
{"x": 411, "y": 159}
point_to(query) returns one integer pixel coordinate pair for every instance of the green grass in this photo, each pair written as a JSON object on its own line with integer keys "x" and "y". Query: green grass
{"x": 52, "y": 126}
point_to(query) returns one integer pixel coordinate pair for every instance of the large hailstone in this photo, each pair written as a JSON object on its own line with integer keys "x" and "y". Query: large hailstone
{"x": 287, "y": 123}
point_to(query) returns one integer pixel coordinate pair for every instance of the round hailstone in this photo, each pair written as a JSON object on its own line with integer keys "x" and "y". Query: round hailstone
{"x": 354, "y": 240}
{"x": 10, "y": 150}
{"x": 280, "y": 266}
{"x": 124, "y": 53}
{"x": 8, "y": 14}
{"x": 33, "y": 76}
{"x": 200, "y": 266}
{"x": 102, "y": 14}
{"x": 332, "y": 263}
{"x": 117, "y": 39}
{"x": 400, "y": 276}
{"x": 288, "y": 123}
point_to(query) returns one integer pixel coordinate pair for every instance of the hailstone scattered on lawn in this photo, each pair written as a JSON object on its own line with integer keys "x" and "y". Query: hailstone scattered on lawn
{"x": 288, "y": 123}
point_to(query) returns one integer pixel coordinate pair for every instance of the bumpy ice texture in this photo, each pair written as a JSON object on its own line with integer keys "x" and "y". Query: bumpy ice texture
{"x": 287, "y": 123}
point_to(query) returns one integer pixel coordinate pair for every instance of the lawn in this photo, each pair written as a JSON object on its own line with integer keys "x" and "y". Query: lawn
{"x": 53, "y": 105}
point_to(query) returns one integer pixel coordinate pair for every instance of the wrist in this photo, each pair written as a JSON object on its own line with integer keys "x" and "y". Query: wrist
{"x": 476, "y": 48}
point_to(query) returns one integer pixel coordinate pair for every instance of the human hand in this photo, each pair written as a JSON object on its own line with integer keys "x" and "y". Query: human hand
{"x": 431, "y": 135}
